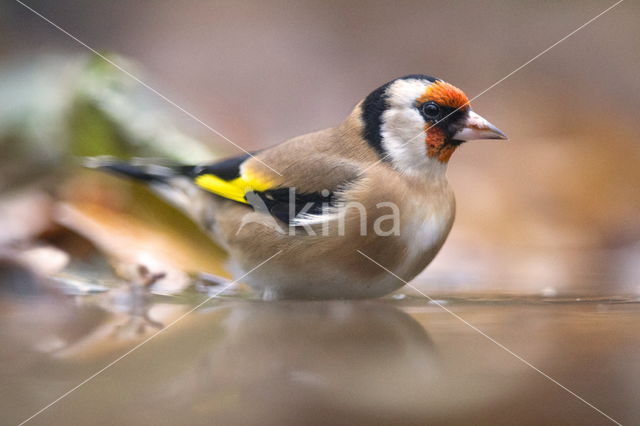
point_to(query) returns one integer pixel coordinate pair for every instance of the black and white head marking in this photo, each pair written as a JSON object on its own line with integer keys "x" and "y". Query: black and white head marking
{"x": 374, "y": 107}
{"x": 394, "y": 123}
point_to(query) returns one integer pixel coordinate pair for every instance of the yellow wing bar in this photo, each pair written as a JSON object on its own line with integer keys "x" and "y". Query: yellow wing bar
{"x": 235, "y": 189}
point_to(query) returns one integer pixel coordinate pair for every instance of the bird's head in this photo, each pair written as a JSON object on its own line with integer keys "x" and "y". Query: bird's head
{"x": 417, "y": 120}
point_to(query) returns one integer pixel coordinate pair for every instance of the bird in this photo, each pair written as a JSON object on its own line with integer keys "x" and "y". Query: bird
{"x": 339, "y": 213}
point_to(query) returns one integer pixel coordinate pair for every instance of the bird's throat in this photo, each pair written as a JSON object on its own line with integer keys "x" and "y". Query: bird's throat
{"x": 437, "y": 146}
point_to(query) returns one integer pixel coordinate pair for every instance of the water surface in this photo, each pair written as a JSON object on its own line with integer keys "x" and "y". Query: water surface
{"x": 391, "y": 361}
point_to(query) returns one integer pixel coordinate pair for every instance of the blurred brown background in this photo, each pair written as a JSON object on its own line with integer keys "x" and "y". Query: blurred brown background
{"x": 554, "y": 209}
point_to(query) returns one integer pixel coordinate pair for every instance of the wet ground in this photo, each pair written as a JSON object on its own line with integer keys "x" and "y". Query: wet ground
{"x": 390, "y": 361}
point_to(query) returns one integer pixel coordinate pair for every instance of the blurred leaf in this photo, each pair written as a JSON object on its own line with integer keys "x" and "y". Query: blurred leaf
{"x": 33, "y": 100}
{"x": 135, "y": 230}
{"x": 54, "y": 108}
{"x": 113, "y": 115}
{"x": 92, "y": 133}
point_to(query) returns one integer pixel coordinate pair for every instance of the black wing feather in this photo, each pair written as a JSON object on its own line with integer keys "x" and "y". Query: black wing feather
{"x": 279, "y": 203}
{"x": 228, "y": 169}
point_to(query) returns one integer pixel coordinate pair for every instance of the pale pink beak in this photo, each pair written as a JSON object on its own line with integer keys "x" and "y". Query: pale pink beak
{"x": 476, "y": 127}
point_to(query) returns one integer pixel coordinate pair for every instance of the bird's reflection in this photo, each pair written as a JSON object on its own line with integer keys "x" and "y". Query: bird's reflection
{"x": 237, "y": 361}
{"x": 287, "y": 360}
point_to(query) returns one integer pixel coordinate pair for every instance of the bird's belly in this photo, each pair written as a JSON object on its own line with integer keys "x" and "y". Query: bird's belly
{"x": 350, "y": 274}
{"x": 335, "y": 267}
{"x": 321, "y": 281}
{"x": 424, "y": 238}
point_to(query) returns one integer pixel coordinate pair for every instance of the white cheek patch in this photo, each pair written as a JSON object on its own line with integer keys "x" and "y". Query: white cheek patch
{"x": 402, "y": 129}
{"x": 403, "y": 137}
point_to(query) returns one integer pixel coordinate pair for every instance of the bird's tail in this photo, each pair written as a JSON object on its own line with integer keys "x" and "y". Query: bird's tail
{"x": 137, "y": 170}
{"x": 171, "y": 182}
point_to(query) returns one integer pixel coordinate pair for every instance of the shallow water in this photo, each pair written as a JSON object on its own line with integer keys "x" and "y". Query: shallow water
{"x": 389, "y": 361}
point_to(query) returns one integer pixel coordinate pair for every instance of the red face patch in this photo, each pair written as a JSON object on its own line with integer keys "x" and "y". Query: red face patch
{"x": 445, "y": 94}
{"x": 436, "y": 148}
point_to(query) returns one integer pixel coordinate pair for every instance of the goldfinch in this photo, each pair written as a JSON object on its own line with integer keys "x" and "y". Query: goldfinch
{"x": 374, "y": 185}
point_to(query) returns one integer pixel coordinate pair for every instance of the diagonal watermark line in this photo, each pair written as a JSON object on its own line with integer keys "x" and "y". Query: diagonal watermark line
{"x": 500, "y": 345}
{"x": 104, "y": 58}
{"x": 94, "y": 375}
{"x": 501, "y": 80}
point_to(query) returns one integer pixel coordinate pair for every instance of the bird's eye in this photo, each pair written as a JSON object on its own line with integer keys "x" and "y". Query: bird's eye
{"x": 431, "y": 110}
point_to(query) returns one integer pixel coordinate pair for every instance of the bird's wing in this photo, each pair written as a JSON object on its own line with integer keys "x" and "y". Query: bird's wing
{"x": 225, "y": 179}
{"x": 306, "y": 186}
